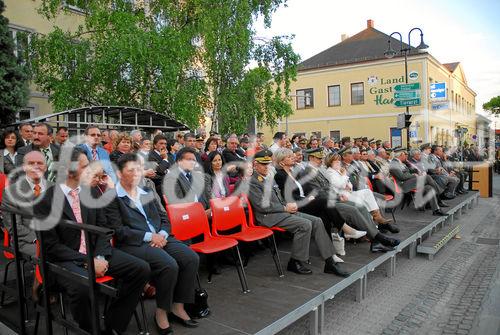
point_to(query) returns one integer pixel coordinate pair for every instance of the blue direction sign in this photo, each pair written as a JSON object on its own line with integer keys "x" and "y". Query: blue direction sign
{"x": 438, "y": 91}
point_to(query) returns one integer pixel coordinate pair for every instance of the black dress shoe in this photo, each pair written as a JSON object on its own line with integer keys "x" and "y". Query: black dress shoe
{"x": 447, "y": 196}
{"x": 163, "y": 331}
{"x": 386, "y": 240}
{"x": 379, "y": 247}
{"x": 439, "y": 212}
{"x": 442, "y": 204}
{"x": 297, "y": 267}
{"x": 383, "y": 228}
{"x": 332, "y": 267}
{"x": 190, "y": 323}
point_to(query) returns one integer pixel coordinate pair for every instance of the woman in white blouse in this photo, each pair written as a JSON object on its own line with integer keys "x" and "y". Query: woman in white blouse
{"x": 339, "y": 180}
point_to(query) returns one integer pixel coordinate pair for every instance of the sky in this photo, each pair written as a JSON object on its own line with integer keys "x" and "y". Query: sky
{"x": 465, "y": 31}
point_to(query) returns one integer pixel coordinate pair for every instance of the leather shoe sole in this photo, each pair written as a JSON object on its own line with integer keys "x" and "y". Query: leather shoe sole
{"x": 379, "y": 247}
{"x": 336, "y": 270}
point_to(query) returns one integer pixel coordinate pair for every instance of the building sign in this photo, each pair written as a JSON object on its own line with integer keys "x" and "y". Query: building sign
{"x": 383, "y": 91}
{"x": 396, "y": 140}
{"x": 438, "y": 91}
{"x": 413, "y": 75}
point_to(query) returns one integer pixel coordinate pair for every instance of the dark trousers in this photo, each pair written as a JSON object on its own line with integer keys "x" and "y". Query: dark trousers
{"x": 329, "y": 215}
{"x": 133, "y": 274}
{"x": 173, "y": 270}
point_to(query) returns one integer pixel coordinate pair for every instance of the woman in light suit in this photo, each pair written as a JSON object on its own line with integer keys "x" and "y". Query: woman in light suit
{"x": 9, "y": 143}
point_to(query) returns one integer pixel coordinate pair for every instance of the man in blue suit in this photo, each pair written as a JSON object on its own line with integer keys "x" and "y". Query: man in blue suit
{"x": 95, "y": 152}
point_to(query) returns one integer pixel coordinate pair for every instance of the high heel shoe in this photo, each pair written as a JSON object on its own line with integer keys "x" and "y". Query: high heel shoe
{"x": 355, "y": 235}
{"x": 163, "y": 331}
{"x": 190, "y": 323}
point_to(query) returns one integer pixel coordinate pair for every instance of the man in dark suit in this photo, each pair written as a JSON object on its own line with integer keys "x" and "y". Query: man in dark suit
{"x": 159, "y": 158}
{"x": 26, "y": 132}
{"x": 143, "y": 230}
{"x": 67, "y": 248}
{"x": 271, "y": 210}
{"x": 407, "y": 181}
{"x": 42, "y": 134}
{"x": 183, "y": 183}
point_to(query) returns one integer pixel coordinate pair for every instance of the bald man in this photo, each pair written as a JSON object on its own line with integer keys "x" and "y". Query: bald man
{"x": 22, "y": 195}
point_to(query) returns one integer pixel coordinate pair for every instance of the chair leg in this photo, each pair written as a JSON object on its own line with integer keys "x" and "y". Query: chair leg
{"x": 138, "y": 322}
{"x": 241, "y": 270}
{"x": 37, "y": 321}
{"x": 276, "y": 256}
{"x": 144, "y": 317}
{"x": 393, "y": 216}
{"x": 63, "y": 311}
{"x": 5, "y": 281}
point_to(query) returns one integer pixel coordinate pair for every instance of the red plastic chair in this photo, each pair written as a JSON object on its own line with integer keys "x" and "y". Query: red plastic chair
{"x": 228, "y": 213}
{"x": 4, "y": 182}
{"x": 189, "y": 220}
{"x": 10, "y": 257}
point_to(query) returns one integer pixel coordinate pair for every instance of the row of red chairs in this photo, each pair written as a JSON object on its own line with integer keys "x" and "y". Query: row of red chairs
{"x": 189, "y": 220}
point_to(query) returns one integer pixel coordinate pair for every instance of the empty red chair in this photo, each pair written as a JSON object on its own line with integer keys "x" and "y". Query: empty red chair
{"x": 189, "y": 220}
{"x": 228, "y": 213}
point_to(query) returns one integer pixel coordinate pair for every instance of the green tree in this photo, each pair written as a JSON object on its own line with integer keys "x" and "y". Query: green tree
{"x": 493, "y": 105}
{"x": 122, "y": 54}
{"x": 248, "y": 76}
{"x": 183, "y": 58}
{"x": 13, "y": 76}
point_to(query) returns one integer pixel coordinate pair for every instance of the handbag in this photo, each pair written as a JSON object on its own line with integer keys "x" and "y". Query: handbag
{"x": 200, "y": 308}
{"x": 338, "y": 244}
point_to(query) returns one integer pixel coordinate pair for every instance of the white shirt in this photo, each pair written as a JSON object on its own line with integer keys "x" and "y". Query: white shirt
{"x": 12, "y": 157}
{"x": 274, "y": 147}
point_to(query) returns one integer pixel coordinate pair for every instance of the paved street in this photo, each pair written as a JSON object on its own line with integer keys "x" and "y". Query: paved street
{"x": 456, "y": 293}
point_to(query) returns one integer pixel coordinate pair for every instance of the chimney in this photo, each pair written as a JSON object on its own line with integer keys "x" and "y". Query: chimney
{"x": 369, "y": 23}
{"x": 343, "y": 37}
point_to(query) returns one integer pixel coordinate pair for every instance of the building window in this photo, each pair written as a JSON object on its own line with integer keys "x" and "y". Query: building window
{"x": 25, "y": 114}
{"x": 316, "y": 134}
{"x": 76, "y": 5}
{"x": 334, "y": 95}
{"x": 357, "y": 94}
{"x": 21, "y": 40}
{"x": 335, "y": 135}
{"x": 305, "y": 98}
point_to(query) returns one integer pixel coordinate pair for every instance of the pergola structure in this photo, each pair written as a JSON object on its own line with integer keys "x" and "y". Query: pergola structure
{"x": 109, "y": 117}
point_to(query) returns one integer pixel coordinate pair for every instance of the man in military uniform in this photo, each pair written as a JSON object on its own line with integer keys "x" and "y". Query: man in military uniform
{"x": 407, "y": 181}
{"x": 271, "y": 210}
{"x": 356, "y": 216}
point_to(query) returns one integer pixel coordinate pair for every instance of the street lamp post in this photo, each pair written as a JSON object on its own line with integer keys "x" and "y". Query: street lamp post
{"x": 390, "y": 53}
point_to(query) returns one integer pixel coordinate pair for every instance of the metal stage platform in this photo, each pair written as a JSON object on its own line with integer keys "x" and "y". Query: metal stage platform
{"x": 274, "y": 303}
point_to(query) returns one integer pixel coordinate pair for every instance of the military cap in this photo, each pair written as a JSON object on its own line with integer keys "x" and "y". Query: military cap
{"x": 371, "y": 140}
{"x": 398, "y": 149}
{"x": 378, "y": 142}
{"x": 318, "y": 153}
{"x": 345, "y": 151}
{"x": 425, "y": 146}
{"x": 355, "y": 150}
{"x": 263, "y": 157}
{"x": 364, "y": 139}
{"x": 346, "y": 139}
{"x": 357, "y": 138}
{"x": 303, "y": 141}
{"x": 200, "y": 138}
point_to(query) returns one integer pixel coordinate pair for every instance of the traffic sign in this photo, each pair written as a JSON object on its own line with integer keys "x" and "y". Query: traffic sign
{"x": 438, "y": 91}
{"x": 407, "y": 103}
{"x": 407, "y": 87}
{"x": 406, "y": 95}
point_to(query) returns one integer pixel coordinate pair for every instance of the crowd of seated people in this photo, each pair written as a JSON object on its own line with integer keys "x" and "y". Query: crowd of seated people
{"x": 312, "y": 188}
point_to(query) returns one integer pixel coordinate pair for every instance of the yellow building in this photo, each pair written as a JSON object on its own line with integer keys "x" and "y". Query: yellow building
{"x": 352, "y": 89}
{"x": 25, "y": 20}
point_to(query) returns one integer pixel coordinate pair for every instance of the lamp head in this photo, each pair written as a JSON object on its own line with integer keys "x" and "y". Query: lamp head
{"x": 422, "y": 45}
{"x": 389, "y": 53}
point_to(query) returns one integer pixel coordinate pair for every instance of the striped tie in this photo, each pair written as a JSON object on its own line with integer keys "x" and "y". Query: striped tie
{"x": 50, "y": 164}
{"x": 94, "y": 155}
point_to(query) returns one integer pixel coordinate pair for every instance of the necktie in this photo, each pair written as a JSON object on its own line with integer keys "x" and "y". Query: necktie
{"x": 50, "y": 164}
{"x": 189, "y": 177}
{"x": 94, "y": 155}
{"x": 37, "y": 189}
{"x": 75, "y": 207}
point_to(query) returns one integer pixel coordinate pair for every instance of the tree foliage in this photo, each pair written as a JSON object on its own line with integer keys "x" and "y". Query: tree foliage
{"x": 249, "y": 76}
{"x": 183, "y": 58}
{"x": 13, "y": 75}
{"x": 493, "y": 105}
{"x": 122, "y": 55}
